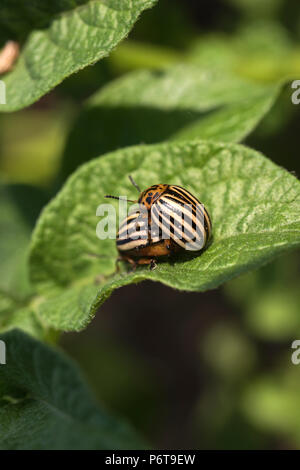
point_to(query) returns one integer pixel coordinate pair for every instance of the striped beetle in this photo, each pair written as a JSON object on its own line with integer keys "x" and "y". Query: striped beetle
{"x": 169, "y": 219}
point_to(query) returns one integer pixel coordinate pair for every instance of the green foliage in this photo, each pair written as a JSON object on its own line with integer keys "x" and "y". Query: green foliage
{"x": 132, "y": 55}
{"x": 15, "y": 236}
{"x": 46, "y": 405}
{"x": 271, "y": 402}
{"x": 270, "y": 299}
{"x": 254, "y": 207}
{"x": 261, "y": 50}
{"x": 15, "y": 313}
{"x": 33, "y": 157}
{"x": 176, "y": 117}
{"x": 20, "y": 206}
{"x": 253, "y": 8}
{"x": 236, "y": 354}
{"x": 182, "y": 102}
{"x": 59, "y": 39}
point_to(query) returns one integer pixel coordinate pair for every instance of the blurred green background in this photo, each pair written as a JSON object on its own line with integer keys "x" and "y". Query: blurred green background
{"x": 188, "y": 370}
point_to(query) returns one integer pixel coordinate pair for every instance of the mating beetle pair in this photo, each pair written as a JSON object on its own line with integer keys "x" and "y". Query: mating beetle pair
{"x": 169, "y": 220}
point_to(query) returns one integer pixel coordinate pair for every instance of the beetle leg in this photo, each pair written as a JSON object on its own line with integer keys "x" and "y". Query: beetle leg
{"x": 131, "y": 261}
{"x": 117, "y": 265}
{"x": 153, "y": 265}
{"x": 133, "y": 265}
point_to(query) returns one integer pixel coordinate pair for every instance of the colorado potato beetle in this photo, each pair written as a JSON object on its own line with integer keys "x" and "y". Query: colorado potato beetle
{"x": 168, "y": 220}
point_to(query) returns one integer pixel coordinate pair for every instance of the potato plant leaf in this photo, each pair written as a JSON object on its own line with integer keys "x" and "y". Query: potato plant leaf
{"x": 60, "y": 38}
{"x": 253, "y": 203}
{"x": 250, "y": 52}
{"x": 15, "y": 237}
{"x": 20, "y": 206}
{"x": 46, "y": 405}
{"x": 182, "y": 102}
{"x": 15, "y": 313}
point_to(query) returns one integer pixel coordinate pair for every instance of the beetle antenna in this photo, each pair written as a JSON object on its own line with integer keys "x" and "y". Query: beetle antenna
{"x": 118, "y": 198}
{"x": 134, "y": 183}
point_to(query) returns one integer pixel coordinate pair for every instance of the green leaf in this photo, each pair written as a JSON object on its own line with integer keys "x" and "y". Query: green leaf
{"x": 254, "y": 205}
{"x": 232, "y": 123}
{"x": 15, "y": 236}
{"x": 257, "y": 9}
{"x": 131, "y": 55}
{"x": 270, "y": 402}
{"x": 32, "y": 158}
{"x": 19, "y": 206}
{"x": 60, "y": 38}
{"x": 260, "y": 50}
{"x": 179, "y": 103}
{"x": 46, "y": 405}
{"x": 269, "y": 299}
{"x": 15, "y": 313}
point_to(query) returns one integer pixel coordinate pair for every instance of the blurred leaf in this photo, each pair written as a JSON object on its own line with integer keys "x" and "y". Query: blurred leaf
{"x": 253, "y": 203}
{"x": 257, "y": 8}
{"x": 269, "y": 52}
{"x": 100, "y": 355}
{"x": 20, "y": 206}
{"x": 228, "y": 351}
{"x": 270, "y": 299}
{"x": 274, "y": 124}
{"x": 213, "y": 51}
{"x": 15, "y": 236}
{"x": 271, "y": 402}
{"x": 46, "y": 405}
{"x": 221, "y": 424}
{"x": 279, "y": 127}
{"x": 15, "y": 313}
{"x": 132, "y": 55}
{"x": 179, "y": 103}
{"x": 275, "y": 315}
{"x": 32, "y": 158}
{"x": 186, "y": 87}
{"x": 260, "y": 51}
{"x": 61, "y": 38}
{"x": 233, "y": 122}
